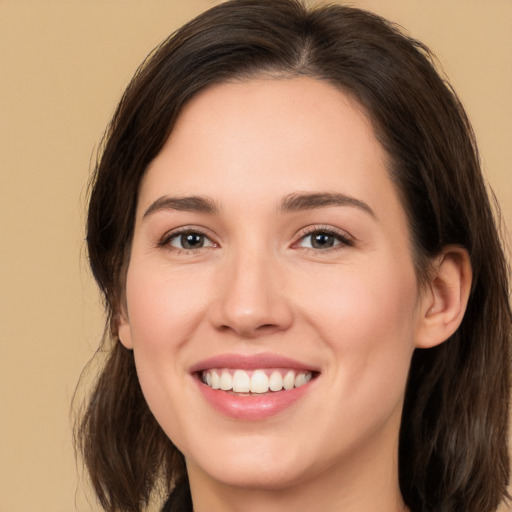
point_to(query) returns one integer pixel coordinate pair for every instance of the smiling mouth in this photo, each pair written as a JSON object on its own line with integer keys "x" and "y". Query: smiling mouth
{"x": 255, "y": 382}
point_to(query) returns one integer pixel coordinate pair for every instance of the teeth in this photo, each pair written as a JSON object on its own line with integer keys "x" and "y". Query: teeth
{"x": 241, "y": 382}
{"x": 276, "y": 381}
{"x": 215, "y": 380}
{"x": 289, "y": 380}
{"x": 300, "y": 380}
{"x": 226, "y": 381}
{"x": 257, "y": 381}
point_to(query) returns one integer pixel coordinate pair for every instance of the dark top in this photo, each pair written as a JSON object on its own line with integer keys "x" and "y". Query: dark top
{"x": 179, "y": 500}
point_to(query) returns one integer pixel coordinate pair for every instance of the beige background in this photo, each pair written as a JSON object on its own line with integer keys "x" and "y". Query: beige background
{"x": 63, "y": 67}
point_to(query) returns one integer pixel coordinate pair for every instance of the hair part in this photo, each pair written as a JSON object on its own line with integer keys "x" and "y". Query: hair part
{"x": 453, "y": 439}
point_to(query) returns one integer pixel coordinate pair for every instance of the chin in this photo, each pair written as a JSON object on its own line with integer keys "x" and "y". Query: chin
{"x": 264, "y": 466}
{"x": 263, "y": 476}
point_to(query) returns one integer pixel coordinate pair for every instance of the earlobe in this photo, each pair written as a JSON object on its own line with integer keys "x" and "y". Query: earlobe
{"x": 124, "y": 332}
{"x": 445, "y": 298}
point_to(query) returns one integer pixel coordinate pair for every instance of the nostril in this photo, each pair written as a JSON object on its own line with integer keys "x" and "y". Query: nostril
{"x": 249, "y": 310}
{"x": 250, "y": 331}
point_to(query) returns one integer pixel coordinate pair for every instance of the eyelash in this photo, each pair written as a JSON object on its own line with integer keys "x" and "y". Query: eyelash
{"x": 342, "y": 239}
{"x": 169, "y": 237}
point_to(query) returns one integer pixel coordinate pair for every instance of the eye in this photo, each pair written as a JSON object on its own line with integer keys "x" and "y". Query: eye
{"x": 323, "y": 239}
{"x": 187, "y": 240}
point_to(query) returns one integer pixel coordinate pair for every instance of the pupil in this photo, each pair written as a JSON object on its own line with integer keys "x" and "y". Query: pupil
{"x": 322, "y": 240}
{"x": 191, "y": 240}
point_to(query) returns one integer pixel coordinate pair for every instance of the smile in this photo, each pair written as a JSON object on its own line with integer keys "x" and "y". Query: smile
{"x": 253, "y": 387}
{"x": 257, "y": 381}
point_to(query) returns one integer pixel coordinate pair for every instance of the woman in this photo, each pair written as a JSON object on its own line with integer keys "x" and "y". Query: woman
{"x": 306, "y": 292}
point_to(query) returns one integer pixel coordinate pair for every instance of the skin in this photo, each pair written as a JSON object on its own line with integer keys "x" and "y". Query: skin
{"x": 354, "y": 311}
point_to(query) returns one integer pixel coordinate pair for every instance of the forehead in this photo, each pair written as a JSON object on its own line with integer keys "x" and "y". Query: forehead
{"x": 270, "y": 137}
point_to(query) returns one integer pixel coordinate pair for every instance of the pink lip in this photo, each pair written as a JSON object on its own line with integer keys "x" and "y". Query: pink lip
{"x": 253, "y": 362}
{"x": 253, "y": 407}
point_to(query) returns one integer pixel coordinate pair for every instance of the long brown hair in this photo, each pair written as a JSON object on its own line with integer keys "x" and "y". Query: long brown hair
{"x": 453, "y": 439}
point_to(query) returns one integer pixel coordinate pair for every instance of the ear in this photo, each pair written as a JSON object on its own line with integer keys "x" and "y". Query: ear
{"x": 124, "y": 331}
{"x": 445, "y": 298}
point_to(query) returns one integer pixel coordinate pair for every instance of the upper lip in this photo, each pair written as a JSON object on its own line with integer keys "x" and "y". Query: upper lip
{"x": 250, "y": 362}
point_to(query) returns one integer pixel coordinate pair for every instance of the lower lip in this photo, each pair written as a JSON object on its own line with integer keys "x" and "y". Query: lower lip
{"x": 252, "y": 407}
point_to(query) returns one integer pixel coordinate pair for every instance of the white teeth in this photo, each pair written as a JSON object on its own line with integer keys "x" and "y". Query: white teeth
{"x": 276, "y": 381}
{"x": 241, "y": 382}
{"x": 226, "y": 381}
{"x": 289, "y": 380}
{"x": 257, "y": 381}
{"x": 215, "y": 380}
{"x": 301, "y": 379}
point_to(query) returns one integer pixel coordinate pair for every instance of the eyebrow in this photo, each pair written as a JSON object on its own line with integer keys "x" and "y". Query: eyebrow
{"x": 291, "y": 203}
{"x": 308, "y": 201}
{"x": 189, "y": 204}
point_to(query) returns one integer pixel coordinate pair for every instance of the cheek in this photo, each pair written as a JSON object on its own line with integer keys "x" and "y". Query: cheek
{"x": 367, "y": 316}
{"x": 366, "y": 322}
{"x": 164, "y": 312}
{"x": 163, "y": 307}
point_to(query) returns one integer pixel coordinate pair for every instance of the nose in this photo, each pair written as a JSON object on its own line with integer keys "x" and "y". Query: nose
{"x": 251, "y": 297}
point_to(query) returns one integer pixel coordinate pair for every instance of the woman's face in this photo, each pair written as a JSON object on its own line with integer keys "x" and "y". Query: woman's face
{"x": 271, "y": 252}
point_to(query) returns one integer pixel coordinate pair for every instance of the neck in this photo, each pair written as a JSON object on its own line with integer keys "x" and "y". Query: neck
{"x": 248, "y": 500}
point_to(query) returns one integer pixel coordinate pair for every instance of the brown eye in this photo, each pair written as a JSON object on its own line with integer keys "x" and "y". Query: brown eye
{"x": 189, "y": 241}
{"x": 322, "y": 239}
